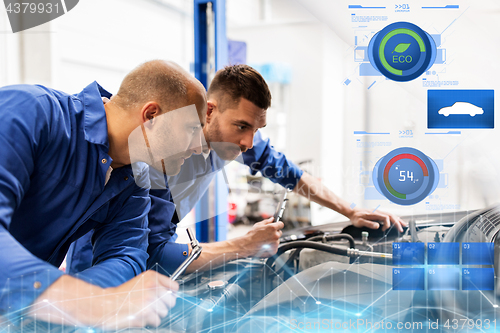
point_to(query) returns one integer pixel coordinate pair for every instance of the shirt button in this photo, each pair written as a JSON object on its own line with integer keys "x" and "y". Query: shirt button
{"x": 104, "y": 161}
{"x": 126, "y": 178}
{"x": 184, "y": 253}
{"x": 37, "y": 285}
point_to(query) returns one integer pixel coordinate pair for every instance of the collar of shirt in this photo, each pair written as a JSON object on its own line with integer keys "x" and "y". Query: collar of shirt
{"x": 96, "y": 127}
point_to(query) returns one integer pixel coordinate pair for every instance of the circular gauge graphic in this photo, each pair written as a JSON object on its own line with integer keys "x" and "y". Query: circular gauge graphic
{"x": 402, "y": 51}
{"x": 405, "y": 176}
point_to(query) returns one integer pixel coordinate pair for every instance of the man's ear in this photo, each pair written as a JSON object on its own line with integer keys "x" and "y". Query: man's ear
{"x": 211, "y": 110}
{"x": 149, "y": 111}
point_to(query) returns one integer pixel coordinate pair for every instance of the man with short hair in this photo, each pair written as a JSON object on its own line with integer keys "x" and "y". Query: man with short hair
{"x": 65, "y": 170}
{"x": 238, "y": 99}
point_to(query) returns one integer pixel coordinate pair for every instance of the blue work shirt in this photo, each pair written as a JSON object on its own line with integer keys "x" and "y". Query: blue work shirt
{"x": 187, "y": 188}
{"x": 54, "y": 149}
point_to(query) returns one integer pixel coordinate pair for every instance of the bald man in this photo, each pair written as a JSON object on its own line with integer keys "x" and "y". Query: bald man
{"x": 65, "y": 170}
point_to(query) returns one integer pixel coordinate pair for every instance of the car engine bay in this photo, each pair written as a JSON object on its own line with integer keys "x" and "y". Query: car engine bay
{"x": 337, "y": 277}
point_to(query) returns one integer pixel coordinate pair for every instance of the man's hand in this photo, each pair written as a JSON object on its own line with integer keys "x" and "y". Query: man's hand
{"x": 312, "y": 188}
{"x": 262, "y": 241}
{"x": 365, "y": 218}
{"x": 142, "y": 301}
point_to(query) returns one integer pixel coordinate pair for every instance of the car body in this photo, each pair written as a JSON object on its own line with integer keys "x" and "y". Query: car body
{"x": 461, "y": 108}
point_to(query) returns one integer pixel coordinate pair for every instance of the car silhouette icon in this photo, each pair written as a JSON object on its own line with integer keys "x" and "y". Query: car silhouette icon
{"x": 461, "y": 108}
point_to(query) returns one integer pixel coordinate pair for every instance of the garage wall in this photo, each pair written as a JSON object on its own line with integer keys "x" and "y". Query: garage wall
{"x": 98, "y": 40}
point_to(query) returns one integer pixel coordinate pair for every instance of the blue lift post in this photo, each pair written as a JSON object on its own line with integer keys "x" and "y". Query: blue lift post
{"x": 211, "y": 229}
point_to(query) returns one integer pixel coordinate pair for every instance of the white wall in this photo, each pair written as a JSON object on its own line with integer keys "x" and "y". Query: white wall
{"x": 120, "y": 35}
{"x": 98, "y": 40}
{"x": 9, "y": 52}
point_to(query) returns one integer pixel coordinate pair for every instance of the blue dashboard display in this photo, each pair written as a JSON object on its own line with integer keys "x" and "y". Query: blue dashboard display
{"x": 478, "y": 278}
{"x": 443, "y": 278}
{"x": 408, "y": 253}
{"x": 402, "y": 51}
{"x": 477, "y": 253}
{"x": 460, "y": 108}
{"x": 408, "y": 279}
{"x": 443, "y": 253}
{"x": 405, "y": 176}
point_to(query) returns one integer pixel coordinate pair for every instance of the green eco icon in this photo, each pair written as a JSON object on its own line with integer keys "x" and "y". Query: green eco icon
{"x": 400, "y": 48}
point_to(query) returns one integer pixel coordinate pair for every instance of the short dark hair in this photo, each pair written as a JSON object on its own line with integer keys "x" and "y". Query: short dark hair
{"x": 240, "y": 81}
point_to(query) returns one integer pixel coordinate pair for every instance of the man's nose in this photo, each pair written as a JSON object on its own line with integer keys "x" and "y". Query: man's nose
{"x": 247, "y": 140}
{"x": 195, "y": 146}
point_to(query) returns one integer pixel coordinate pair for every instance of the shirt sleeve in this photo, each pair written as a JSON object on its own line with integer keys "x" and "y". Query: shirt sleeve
{"x": 162, "y": 218}
{"x": 164, "y": 254}
{"x": 23, "y": 135}
{"x": 80, "y": 253}
{"x": 271, "y": 163}
{"x": 168, "y": 257}
{"x": 120, "y": 245}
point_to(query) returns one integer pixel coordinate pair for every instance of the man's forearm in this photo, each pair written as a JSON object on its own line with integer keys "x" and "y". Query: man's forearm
{"x": 60, "y": 302}
{"x": 314, "y": 190}
{"x": 216, "y": 254}
{"x": 142, "y": 301}
{"x": 261, "y": 241}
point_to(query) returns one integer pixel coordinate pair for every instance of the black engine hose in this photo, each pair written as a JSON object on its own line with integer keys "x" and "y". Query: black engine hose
{"x": 267, "y": 283}
{"x": 352, "y": 245}
{"x": 324, "y": 238}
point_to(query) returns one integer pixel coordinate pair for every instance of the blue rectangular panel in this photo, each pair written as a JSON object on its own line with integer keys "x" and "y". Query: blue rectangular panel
{"x": 237, "y": 52}
{"x": 443, "y": 253}
{"x": 443, "y": 180}
{"x": 477, "y": 253}
{"x": 408, "y": 253}
{"x": 443, "y": 278}
{"x": 440, "y": 164}
{"x": 437, "y": 39}
{"x": 460, "y": 108}
{"x": 366, "y": 69}
{"x": 478, "y": 278}
{"x": 440, "y": 56}
{"x": 408, "y": 279}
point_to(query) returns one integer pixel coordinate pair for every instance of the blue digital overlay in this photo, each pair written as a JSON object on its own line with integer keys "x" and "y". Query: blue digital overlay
{"x": 460, "y": 108}
{"x": 443, "y": 278}
{"x": 367, "y": 69}
{"x": 408, "y": 253}
{"x": 402, "y": 51}
{"x": 364, "y": 7}
{"x": 237, "y": 52}
{"x": 405, "y": 176}
{"x": 408, "y": 279}
{"x": 443, "y": 253}
{"x": 443, "y": 7}
{"x": 478, "y": 278}
{"x": 478, "y": 253}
